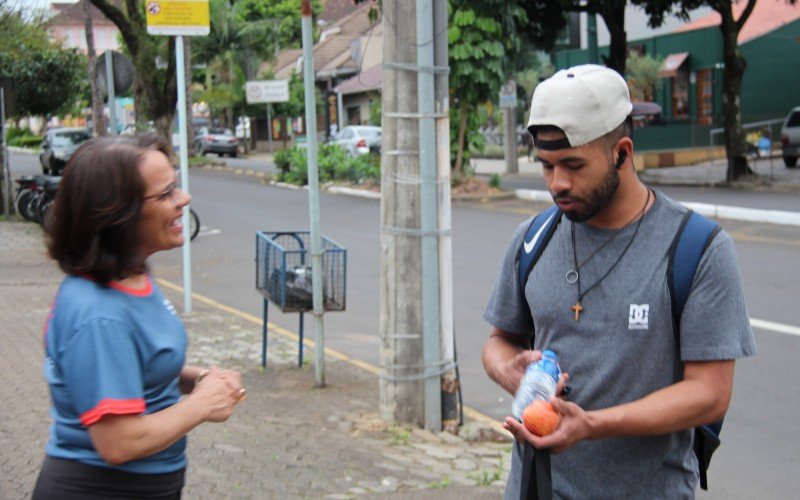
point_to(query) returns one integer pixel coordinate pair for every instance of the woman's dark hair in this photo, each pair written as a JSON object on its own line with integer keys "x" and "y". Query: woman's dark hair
{"x": 93, "y": 225}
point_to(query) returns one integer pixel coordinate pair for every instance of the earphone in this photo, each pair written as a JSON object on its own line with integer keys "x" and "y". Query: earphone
{"x": 621, "y": 159}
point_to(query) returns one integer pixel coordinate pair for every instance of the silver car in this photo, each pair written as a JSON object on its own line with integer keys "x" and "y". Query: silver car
{"x": 790, "y": 138}
{"x": 57, "y": 148}
{"x": 358, "y": 139}
{"x": 216, "y": 140}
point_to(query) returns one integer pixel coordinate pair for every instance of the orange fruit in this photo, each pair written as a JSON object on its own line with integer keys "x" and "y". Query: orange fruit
{"x": 541, "y": 418}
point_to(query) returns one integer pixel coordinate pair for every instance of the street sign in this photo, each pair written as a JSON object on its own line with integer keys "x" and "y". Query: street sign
{"x": 175, "y": 18}
{"x": 123, "y": 73}
{"x": 508, "y": 94}
{"x": 267, "y": 91}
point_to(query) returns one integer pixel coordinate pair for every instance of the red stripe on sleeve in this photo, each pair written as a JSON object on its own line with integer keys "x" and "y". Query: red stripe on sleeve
{"x": 112, "y": 407}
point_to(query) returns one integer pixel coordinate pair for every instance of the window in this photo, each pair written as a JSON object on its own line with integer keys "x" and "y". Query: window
{"x": 680, "y": 95}
{"x": 705, "y": 95}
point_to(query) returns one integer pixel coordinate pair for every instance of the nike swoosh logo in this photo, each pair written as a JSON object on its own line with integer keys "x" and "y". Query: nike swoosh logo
{"x": 530, "y": 244}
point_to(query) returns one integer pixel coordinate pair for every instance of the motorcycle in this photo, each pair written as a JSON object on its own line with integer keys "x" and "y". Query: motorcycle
{"x": 35, "y": 195}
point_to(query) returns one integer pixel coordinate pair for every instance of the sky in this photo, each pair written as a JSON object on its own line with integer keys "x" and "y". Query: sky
{"x": 30, "y": 5}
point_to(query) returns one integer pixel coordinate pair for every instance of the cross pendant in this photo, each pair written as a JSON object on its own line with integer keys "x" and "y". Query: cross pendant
{"x": 577, "y": 308}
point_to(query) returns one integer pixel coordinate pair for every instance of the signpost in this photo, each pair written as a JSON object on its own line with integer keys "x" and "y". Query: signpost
{"x": 115, "y": 74}
{"x": 508, "y": 103}
{"x": 267, "y": 91}
{"x": 179, "y": 18}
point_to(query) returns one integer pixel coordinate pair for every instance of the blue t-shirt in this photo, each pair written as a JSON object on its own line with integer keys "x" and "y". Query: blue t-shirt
{"x": 111, "y": 351}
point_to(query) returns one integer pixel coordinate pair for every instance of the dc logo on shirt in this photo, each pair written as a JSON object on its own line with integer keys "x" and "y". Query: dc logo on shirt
{"x": 638, "y": 317}
{"x": 170, "y": 308}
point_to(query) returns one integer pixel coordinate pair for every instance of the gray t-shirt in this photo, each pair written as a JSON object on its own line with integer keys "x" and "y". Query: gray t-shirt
{"x": 623, "y": 348}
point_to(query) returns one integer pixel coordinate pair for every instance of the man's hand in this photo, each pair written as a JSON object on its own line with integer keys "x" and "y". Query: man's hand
{"x": 574, "y": 427}
{"x": 510, "y": 372}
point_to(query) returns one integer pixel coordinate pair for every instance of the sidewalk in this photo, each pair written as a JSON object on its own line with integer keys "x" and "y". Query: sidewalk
{"x": 774, "y": 175}
{"x": 288, "y": 439}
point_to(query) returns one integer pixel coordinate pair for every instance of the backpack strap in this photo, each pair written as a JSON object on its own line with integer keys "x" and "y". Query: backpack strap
{"x": 690, "y": 243}
{"x": 536, "y": 238}
{"x": 536, "y": 482}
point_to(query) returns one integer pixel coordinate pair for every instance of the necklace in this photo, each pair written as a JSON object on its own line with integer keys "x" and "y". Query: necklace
{"x": 577, "y": 308}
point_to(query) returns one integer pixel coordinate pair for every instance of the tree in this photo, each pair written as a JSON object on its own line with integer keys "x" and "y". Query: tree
{"x": 98, "y": 118}
{"x": 47, "y": 78}
{"x": 734, "y": 68}
{"x": 642, "y": 76}
{"x": 482, "y": 39}
{"x": 548, "y": 19}
{"x": 284, "y": 15}
{"x": 155, "y": 86}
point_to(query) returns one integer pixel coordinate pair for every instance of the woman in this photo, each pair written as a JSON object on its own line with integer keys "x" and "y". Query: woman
{"x": 114, "y": 346}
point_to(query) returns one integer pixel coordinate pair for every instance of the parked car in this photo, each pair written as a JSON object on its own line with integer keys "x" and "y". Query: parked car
{"x": 790, "y": 138}
{"x": 216, "y": 140}
{"x": 57, "y": 148}
{"x": 375, "y": 148}
{"x": 357, "y": 139}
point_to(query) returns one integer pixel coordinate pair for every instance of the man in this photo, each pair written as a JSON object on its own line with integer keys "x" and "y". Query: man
{"x": 599, "y": 297}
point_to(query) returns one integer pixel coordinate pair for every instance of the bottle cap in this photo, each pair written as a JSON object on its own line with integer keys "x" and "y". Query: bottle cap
{"x": 547, "y": 353}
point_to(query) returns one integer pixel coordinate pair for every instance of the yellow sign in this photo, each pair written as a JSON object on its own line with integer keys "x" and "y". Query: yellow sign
{"x": 177, "y": 17}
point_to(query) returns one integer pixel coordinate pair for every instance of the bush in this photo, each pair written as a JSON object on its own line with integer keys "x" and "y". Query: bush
{"x": 334, "y": 164}
{"x": 281, "y": 160}
{"x": 26, "y": 141}
{"x": 17, "y": 132}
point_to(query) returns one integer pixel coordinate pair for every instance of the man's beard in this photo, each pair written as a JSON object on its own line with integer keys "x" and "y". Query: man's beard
{"x": 596, "y": 201}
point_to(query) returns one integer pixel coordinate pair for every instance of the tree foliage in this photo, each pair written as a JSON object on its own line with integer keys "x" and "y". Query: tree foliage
{"x": 47, "y": 78}
{"x": 283, "y": 13}
{"x": 642, "y": 76}
{"x": 484, "y": 38}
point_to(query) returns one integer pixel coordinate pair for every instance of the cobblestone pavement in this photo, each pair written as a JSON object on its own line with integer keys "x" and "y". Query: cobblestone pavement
{"x": 288, "y": 439}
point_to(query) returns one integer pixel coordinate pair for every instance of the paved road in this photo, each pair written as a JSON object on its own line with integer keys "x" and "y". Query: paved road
{"x": 761, "y": 458}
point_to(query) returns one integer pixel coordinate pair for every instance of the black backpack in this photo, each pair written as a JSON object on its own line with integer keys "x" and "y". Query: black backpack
{"x": 690, "y": 242}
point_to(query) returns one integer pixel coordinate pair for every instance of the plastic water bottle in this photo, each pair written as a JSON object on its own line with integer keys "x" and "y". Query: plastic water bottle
{"x": 539, "y": 382}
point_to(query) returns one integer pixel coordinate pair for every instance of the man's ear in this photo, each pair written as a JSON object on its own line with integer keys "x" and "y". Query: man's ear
{"x": 621, "y": 158}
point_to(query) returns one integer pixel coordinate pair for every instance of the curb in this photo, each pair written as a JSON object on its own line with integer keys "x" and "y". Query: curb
{"x": 718, "y": 211}
{"x": 17, "y": 149}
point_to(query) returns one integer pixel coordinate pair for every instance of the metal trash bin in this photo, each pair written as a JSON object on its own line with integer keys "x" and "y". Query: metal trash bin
{"x": 283, "y": 276}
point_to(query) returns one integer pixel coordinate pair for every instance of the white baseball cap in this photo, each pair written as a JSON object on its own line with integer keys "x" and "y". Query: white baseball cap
{"x": 586, "y": 102}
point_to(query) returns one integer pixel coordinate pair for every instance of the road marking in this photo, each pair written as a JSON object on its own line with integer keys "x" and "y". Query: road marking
{"x": 775, "y": 327}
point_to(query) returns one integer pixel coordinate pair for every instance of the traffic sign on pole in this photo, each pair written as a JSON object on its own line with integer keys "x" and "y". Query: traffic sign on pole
{"x": 179, "y": 18}
{"x": 175, "y": 18}
{"x": 260, "y": 91}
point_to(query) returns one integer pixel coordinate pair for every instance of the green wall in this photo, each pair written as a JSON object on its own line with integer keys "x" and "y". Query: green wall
{"x": 770, "y": 87}
{"x": 771, "y": 83}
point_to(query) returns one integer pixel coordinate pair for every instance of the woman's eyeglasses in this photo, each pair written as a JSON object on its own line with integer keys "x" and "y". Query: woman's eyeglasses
{"x": 166, "y": 195}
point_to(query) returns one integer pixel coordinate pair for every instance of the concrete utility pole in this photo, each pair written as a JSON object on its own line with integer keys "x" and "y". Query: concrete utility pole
{"x": 414, "y": 218}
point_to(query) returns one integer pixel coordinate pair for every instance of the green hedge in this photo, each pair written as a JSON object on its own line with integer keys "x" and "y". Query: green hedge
{"x": 334, "y": 163}
{"x": 26, "y": 141}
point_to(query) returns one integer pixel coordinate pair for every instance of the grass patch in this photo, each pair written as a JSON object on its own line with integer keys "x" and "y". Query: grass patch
{"x": 399, "y": 436}
{"x": 442, "y": 483}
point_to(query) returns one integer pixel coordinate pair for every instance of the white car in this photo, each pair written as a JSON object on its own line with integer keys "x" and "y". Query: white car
{"x": 790, "y": 138}
{"x": 358, "y": 139}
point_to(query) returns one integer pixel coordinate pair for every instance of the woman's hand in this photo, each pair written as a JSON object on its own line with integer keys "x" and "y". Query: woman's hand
{"x": 219, "y": 391}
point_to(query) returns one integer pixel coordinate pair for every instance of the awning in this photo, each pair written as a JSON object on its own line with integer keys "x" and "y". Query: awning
{"x": 669, "y": 68}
